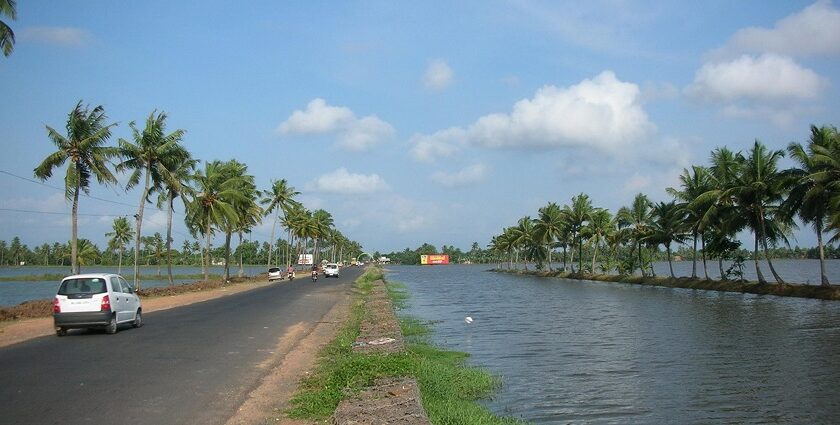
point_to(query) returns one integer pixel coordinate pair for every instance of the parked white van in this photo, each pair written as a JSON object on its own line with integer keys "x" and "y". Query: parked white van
{"x": 95, "y": 300}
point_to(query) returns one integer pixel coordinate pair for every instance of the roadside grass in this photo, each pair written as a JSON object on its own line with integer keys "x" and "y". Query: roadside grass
{"x": 449, "y": 388}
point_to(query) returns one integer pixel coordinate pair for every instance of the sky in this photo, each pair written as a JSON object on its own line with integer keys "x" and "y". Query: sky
{"x": 415, "y": 122}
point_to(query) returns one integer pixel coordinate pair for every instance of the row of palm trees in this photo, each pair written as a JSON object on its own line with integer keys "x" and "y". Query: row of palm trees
{"x": 738, "y": 191}
{"x": 220, "y": 198}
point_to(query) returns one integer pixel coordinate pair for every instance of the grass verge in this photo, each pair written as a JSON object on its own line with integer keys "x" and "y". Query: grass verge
{"x": 448, "y": 386}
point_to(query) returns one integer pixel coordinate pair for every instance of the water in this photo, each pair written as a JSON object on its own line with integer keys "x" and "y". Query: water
{"x": 605, "y": 353}
{"x": 16, "y": 292}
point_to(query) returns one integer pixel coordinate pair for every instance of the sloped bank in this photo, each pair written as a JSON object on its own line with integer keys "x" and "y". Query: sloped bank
{"x": 786, "y": 290}
{"x": 379, "y": 368}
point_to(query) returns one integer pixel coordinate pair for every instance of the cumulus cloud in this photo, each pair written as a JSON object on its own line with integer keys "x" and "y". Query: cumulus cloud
{"x": 59, "y": 36}
{"x": 602, "y": 112}
{"x": 341, "y": 181}
{"x": 438, "y": 75}
{"x": 467, "y": 176}
{"x": 353, "y": 133}
{"x": 814, "y": 31}
{"x": 768, "y": 77}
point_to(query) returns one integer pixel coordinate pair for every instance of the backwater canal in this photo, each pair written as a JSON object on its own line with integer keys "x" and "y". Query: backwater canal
{"x": 603, "y": 353}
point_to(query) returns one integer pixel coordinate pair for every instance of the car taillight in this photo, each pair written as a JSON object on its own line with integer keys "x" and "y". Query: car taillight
{"x": 56, "y": 305}
{"x": 106, "y": 304}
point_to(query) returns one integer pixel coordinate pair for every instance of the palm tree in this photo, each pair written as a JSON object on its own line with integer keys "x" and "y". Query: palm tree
{"x": 638, "y": 217}
{"x": 213, "y": 204}
{"x": 148, "y": 155}
{"x": 84, "y": 148}
{"x": 758, "y": 189}
{"x": 121, "y": 235}
{"x": 599, "y": 228}
{"x": 88, "y": 252}
{"x": 175, "y": 184}
{"x": 548, "y": 225}
{"x": 7, "y": 36}
{"x": 668, "y": 224}
{"x": 279, "y": 198}
{"x": 248, "y": 211}
{"x": 578, "y": 215}
{"x": 323, "y": 222}
{"x": 694, "y": 183}
{"x": 810, "y": 195}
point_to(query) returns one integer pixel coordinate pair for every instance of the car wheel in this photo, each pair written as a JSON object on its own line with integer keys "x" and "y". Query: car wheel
{"x": 138, "y": 319}
{"x": 112, "y": 326}
{"x": 61, "y": 331}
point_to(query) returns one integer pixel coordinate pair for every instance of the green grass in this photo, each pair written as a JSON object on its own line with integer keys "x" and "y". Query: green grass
{"x": 58, "y": 277}
{"x": 448, "y": 386}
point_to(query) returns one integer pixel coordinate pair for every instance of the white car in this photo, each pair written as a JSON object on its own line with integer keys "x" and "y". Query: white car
{"x": 95, "y": 300}
{"x": 331, "y": 269}
{"x": 274, "y": 273}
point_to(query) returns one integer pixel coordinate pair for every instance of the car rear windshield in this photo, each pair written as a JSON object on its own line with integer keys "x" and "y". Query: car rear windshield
{"x": 86, "y": 285}
{"x": 274, "y": 270}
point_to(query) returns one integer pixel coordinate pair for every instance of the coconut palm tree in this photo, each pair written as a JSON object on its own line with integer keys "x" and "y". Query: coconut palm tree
{"x": 216, "y": 192}
{"x": 148, "y": 156}
{"x": 121, "y": 235}
{"x": 810, "y": 196}
{"x": 694, "y": 183}
{"x": 84, "y": 148}
{"x": 758, "y": 189}
{"x": 638, "y": 217}
{"x": 88, "y": 252}
{"x": 323, "y": 222}
{"x": 599, "y": 228}
{"x": 548, "y": 226}
{"x": 578, "y": 215}
{"x": 279, "y": 198}
{"x": 668, "y": 226}
{"x": 7, "y": 36}
{"x": 175, "y": 184}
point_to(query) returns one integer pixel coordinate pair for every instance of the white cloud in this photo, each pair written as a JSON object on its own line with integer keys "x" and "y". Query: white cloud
{"x": 467, "y": 176}
{"x": 60, "y": 36}
{"x": 768, "y": 77}
{"x": 636, "y": 183}
{"x": 602, "y": 112}
{"x": 353, "y": 133}
{"x": 341, "y": 181}
{"x": 438, "y": 75}
{"x": 814, "y": 31}
{"x": 440, "y": 144}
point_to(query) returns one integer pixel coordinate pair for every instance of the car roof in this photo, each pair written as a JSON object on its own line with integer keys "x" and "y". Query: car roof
{"x": 90, "y": 275}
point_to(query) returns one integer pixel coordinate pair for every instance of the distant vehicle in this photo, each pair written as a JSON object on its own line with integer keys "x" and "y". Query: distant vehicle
{"x": 95, "y": 300}
{"x": 274, "y": 273}
{"x": 331, "y": 269}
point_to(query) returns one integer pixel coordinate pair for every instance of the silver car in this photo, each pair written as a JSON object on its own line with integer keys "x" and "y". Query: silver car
{"x": 95, "y": 300}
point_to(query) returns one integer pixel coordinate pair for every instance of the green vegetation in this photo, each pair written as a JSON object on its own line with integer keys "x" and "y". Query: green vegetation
{"x": 58, "y": 276}
{"x": 449, "y": 388}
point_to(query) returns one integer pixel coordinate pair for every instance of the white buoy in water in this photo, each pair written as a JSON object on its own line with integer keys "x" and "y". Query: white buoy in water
{"x": 468, "y": 320}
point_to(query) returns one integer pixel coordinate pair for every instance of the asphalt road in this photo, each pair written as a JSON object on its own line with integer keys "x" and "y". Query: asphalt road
{"x": 188, "y": 365}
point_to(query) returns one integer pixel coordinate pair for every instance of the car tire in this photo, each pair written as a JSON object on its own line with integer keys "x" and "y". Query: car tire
{"x": 138, "y": 319}
{"x": 112, "y": 325}
{"x": 61, "y": 331}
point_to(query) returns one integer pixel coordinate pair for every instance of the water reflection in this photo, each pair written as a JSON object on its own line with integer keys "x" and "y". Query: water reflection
{"x": 574, "y": 352}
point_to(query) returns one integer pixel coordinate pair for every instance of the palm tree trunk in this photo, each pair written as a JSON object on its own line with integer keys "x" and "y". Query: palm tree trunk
{"x": 693, "y": 258}
{"x": 139, "y": 226}
{"x": 720, "y": 266}
{"x": 823, "y": 275}
{"x": 755, "y": 260}
{"x": 767, "y": 252}
{"x": 119, "y": 262}
{"x": 594, "y": 254}
{"x": 670, "y": 264}
{"x": 227, "y": 256}
{"x": 241, "y": 270}
{"x": 548, "y": 247}
{"x": 206, "y": 262}
{"x": 271, "y": 241}
{"x": 580, "y": 254}
{"x": 703, "y": 249}
{"x": 169, "y": 240}
{"x": 74, "y": 232}
{"x": 641, "y": 265}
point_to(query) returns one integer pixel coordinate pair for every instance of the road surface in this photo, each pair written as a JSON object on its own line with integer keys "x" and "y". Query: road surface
{"x": 188, "y": 365}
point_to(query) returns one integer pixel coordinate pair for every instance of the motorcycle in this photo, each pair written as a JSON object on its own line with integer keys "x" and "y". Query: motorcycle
{"x": 314, "y": 275}
{"x": 291, "y": 275}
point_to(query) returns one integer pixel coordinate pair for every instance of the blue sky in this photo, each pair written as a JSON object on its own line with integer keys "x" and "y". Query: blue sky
{"x": 413, "y": 122}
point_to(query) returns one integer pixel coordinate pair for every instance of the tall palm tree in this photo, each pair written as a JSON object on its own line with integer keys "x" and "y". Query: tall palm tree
{"x": 694, "y": 183}
{"x": 84, "y": 148}
{"x": 668, "y": 226}
{"x": 758, "y": 189}
{"x": 810, "y": 195}
{"x": 121, "y": 235}
{"x": 578, "y": 215}
{"x": 279, "y": 198}
{"x": 148, "y": 156}
{"x": 175, "y": 184}
{"x": 549, "y": 225}
{"x": 323, "y": 222}
{"x": 638, "y": 217}
{"x": 216, "y": 193}
{"x": 7, "y": 36}
{"x": 599, "y": 228}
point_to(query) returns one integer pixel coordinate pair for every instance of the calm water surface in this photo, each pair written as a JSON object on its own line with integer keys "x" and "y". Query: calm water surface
{"x": 603, "y": 353}
{"x": 16, "y": 292}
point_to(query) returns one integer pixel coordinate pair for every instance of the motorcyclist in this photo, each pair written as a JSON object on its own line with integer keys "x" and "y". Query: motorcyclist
{"x": 290, "y": 271}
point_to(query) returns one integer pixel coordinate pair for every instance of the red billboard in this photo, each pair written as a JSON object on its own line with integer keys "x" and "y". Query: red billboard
{"x": 434, "y": 259}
